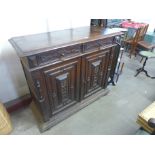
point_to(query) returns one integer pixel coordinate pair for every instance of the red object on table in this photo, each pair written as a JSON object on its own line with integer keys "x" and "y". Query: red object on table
{"x": 127, "y": 24}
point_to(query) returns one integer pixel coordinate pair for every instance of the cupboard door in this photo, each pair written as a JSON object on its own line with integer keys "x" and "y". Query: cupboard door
{"x": 63, "y": 85}
{"x": 94, "y": 68}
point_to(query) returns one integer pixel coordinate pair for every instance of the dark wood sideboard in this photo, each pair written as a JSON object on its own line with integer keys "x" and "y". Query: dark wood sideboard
{"x": 66, "y": 70}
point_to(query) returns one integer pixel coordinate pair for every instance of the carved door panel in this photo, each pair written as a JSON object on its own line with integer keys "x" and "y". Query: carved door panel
{"x": 94, "y": 68}
{"x": 63, "y": 85}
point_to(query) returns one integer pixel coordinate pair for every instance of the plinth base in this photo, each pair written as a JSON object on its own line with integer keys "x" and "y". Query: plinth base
{"x": 43, "y": 126}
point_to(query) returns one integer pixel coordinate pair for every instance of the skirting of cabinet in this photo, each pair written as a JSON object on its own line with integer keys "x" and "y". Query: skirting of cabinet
{"x": 43, "y": 126}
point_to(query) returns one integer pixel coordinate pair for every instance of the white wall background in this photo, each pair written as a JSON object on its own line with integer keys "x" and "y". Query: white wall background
{"x": 22, "y": 17}
{"x": 151, "y": 23}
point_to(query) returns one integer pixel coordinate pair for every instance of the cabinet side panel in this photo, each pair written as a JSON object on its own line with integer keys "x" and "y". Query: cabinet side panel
{"x": 38, "y": 91}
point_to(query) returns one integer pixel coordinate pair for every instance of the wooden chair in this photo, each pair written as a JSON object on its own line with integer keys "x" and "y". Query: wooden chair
{"x": 131, "y": 40}
{"x": 137, "y": 37}
{"x": 146, "y": 44}
{"x": 142, "y": 33}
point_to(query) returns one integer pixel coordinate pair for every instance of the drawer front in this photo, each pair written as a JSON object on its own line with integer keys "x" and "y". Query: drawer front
{"x": 43, "y": 58}
{"x": 91, "y": 46}
{"x": 69, "y": 51}
{"x": 97, "y": 45}
{"x": 47, "y": 57}
{"x": 53, "y": 55}
{"x": 105, "y": 42}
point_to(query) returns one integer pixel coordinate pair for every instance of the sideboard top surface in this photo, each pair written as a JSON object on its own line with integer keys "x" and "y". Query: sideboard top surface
{"x": 37, "y": 43}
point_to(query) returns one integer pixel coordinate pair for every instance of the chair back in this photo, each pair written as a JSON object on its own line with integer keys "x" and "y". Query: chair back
{"x": 146, "y": 28}
{"x": 142, "y": 32}
{"x": 130, "y": 34}
{"x": 136, "y": 34}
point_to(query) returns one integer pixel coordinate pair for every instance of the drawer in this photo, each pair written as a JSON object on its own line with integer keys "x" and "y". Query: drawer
{"x": 69, "y": 51}
{"x": 97, "y": 45}
{"x": 91, "y": 46}
{"x": 46, "y": 57}
{"x": 43, "y": 58}
{"x": 53, "y": 55}
{"x": 105, "y": 42}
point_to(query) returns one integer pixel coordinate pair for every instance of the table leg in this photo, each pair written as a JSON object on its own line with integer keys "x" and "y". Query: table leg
{"x": 143, "y": 70}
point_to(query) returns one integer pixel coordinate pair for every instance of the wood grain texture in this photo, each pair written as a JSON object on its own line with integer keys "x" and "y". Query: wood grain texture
{"x": 38, "y": 43}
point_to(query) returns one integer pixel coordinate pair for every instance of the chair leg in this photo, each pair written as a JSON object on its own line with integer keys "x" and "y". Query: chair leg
{"x": 146, "y": 73}
{"x": 141, "y": 60}
{"x": 131, "y": 51}
{"x": 126, "y": 48}
{"x": 122, "y": 68}
{"x": 134, "y": 50}
{"x": 142, "y": 68}
{"x": 117, "y": 78}
{"x": 138, "y": 71}
{"x": 152, "y": 49}
{"x": 112, "y": 81}
{"x": 118, "y": 73}
{"x": 135, "y": 54}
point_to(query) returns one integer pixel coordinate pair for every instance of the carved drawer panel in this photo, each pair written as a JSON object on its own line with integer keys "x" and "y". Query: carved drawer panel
{"x": 91, "y": 46}
{"x": 97, "y": 45}
{"x": 69, "y": 51}
{"x": 43, "y": 58}
{"x": 47, "y": 57}
{"x": 105, "y": 42}
{"x": 53, "y": 55}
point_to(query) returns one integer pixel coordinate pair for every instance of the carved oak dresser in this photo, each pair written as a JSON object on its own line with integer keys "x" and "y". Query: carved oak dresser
{"x": 66, "y": 70}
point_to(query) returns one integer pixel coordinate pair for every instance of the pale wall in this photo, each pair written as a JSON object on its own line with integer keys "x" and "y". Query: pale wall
{"x": 23, "y": 19}
{"x": 150, "y": 21}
